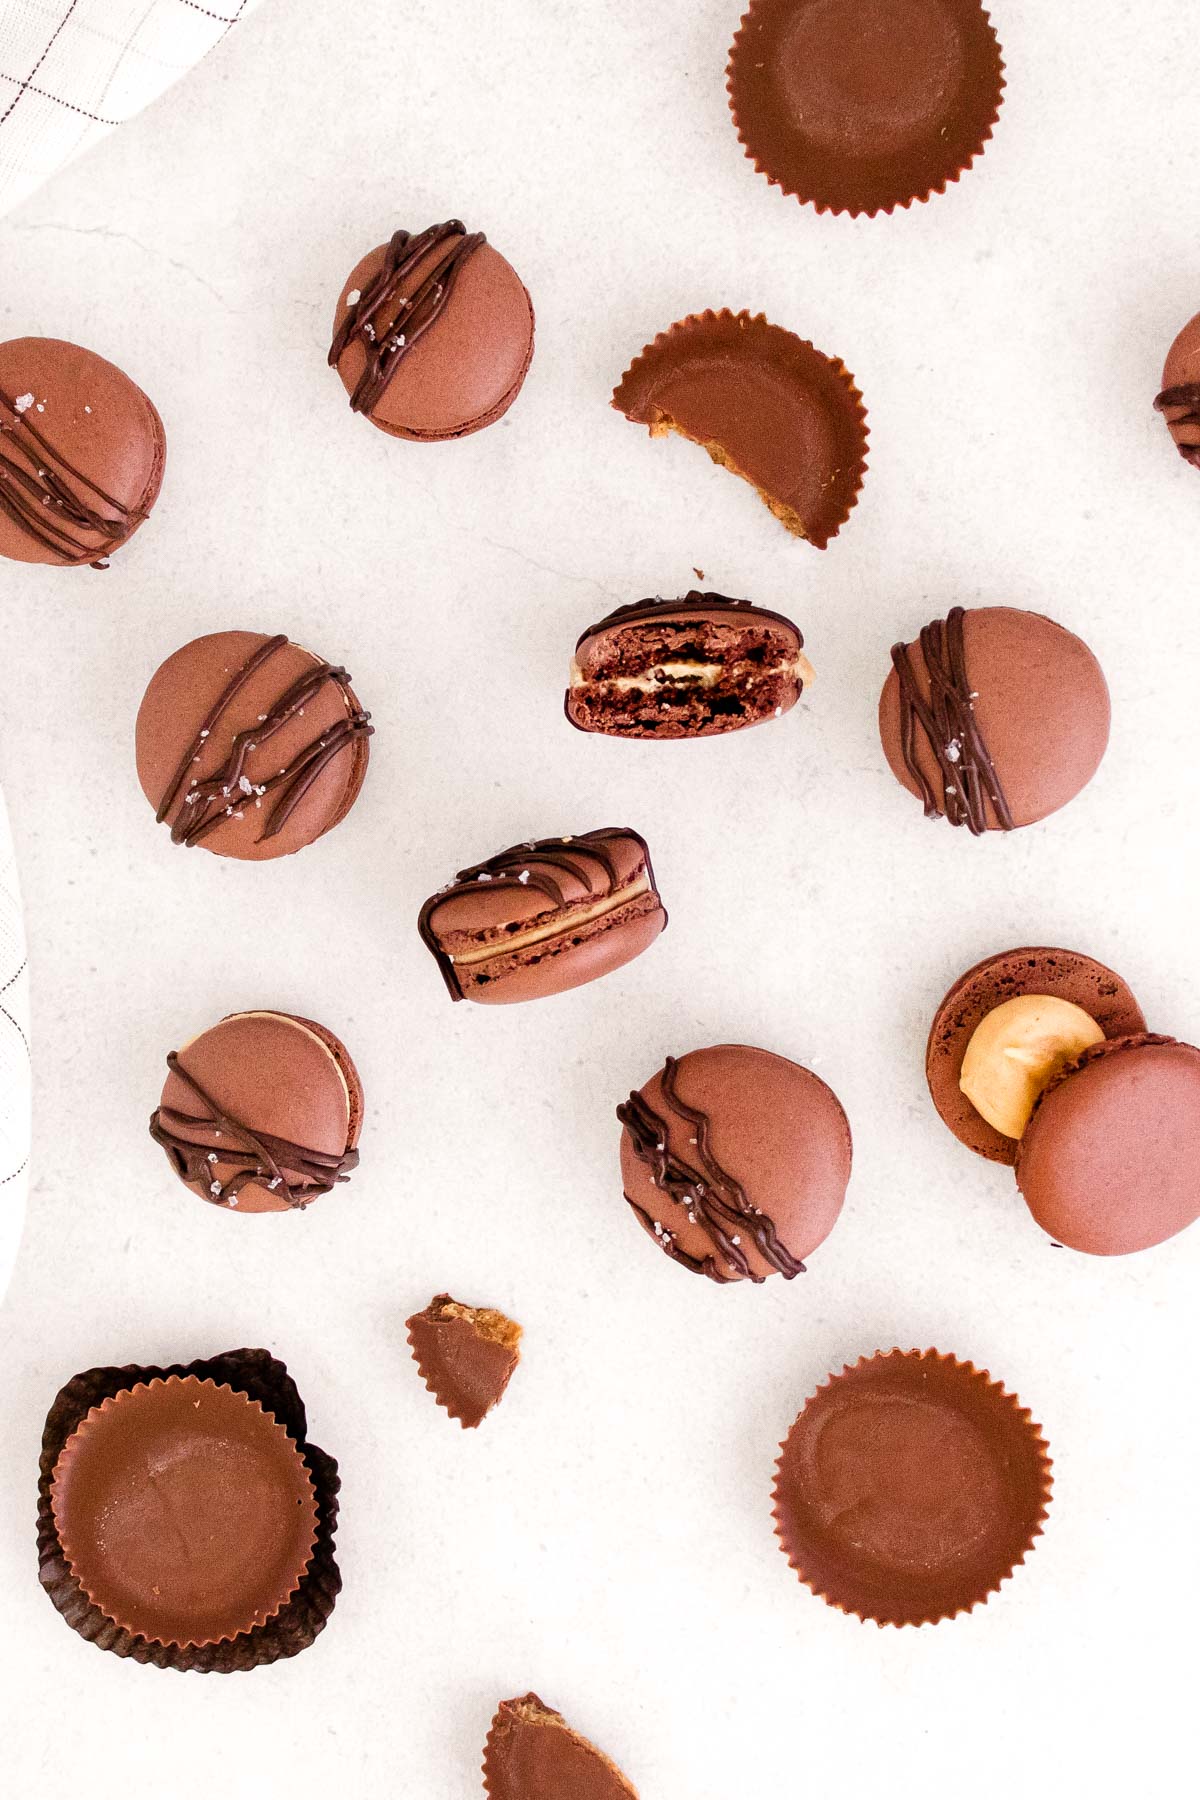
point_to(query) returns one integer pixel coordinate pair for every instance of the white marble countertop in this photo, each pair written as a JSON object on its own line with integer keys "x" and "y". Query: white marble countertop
{"x": 605, "y": 1538}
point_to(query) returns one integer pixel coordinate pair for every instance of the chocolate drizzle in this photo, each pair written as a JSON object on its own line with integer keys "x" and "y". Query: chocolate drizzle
{"x": 1187, "y": 395}
{"x": 709, "y": 1195}
{"x": 969, "y": 779}
{"x": 52, "y": 501}
{"x": 229, "y": 790}
{"x": 530, "y": 866}
{"x": 387, "y": 319}
{"x": 265, "y": 1158}
{"x": 693, "y": 601}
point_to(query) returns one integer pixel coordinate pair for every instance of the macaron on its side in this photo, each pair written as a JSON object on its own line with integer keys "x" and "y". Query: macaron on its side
{"x": 1110, "y": 1161}
{"x": 544, "y": 917}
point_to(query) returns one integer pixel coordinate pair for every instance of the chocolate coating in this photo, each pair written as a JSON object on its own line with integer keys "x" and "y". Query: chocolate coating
{"x": 259, "y": 1378}
{"x": 184, "y": 1511}
{"x": 533, "y": 1754}
{"x": 81, "y": 454}
{"x": 695, "y": 667}
{"x": 863, "y": 105}
{"x": 736, "y": 1161}
{"x": 1007, "y": 735}
{"x": 765, "y": 405}
{"x": 466, "y": 1356}
{"x": 250, "y": 746}
{"x": 1179, "y": 401}
{"x": 1110, "y": 1160}
{"x": 261, "y": 1113}
{"x": 544, "y": 917}
{"x": 440, "y": 338}
{"x": 1063, "y": 974}
{"x": 910, "y": 1487}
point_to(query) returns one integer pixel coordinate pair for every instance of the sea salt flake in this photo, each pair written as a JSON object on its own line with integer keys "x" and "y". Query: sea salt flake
{"x": 272, "y": 1185}
{"x": 953, "y": 750}
{"x": 233, "y": 1199}
{"x": 353, "y": 297}
{"x": 246, "y": 785}
{"x": 214, "y": 1187}
{"x": 369, "y": 333}
{"x": 87, "y": 409}
{"x": 22, "y": 403}
{"x": 523, "y": 876}
{"x": 212, "y": 1156}
{"x": 483, "y": 878}
{"x": 41, "y": 407}
{"x": 203, "y": 735}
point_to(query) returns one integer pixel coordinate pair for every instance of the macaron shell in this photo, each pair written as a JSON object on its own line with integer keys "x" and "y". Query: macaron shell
{"x": 775, "y": 1127}
{"x": 179, "y": 698}
{"x": 1042, "y": 708}
{"x": 1110, "y": 1161}
{"x": 466, "y": 370}
{"x": 274, "y": 1074}
{"x": 1063, "y": 974}
{"x": 596, "y": 949}
{"x": 95, "y": 418}
{"x": 1182, "y": 369}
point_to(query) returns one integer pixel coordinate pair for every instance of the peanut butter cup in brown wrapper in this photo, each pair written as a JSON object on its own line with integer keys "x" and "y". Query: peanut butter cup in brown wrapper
{"x": 183, "y": 1518}
{"x": 766, "y": 405}
{"x": 910, "y": 1487}
{"x": 860, "y": 106}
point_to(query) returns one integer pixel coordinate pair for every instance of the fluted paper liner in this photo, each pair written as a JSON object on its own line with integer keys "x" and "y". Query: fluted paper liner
{"x": 466, "y": 1356}
{"x": 908, "y": 140}
{"x": 766, "y": 405}
{"x": 299, "y": 1621}
{"x": 531, "y": 1753}
{"x": 910, "y": 1487}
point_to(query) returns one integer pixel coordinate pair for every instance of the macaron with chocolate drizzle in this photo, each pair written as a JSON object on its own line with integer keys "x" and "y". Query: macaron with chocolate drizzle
{"x": 250, "y": 746}
{"x": 261, "y": 1113}
{"x": 994, "y": 718}
{"x": 689, "y": 668}
{"x": 543, "y": 917}
{"x": 736, "y": 1162}
{"x": 433, "y": 334}
{"x": 1179, "y": 400}
{"x": 82, "y": 452}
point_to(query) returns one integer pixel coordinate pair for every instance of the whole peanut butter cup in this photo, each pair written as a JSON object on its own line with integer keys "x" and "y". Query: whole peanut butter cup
{"x": 910, "y": 1487}
{"x": 860, "y": 106}
{"x": 766, "y": 405}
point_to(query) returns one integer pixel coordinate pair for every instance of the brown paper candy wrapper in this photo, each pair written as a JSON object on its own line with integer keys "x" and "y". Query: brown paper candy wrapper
{"x": 910, "y": 1487}
{"x": 766, "y": 405}
{"x": 297, "y": 1623}
{"x": 860, "y": 106}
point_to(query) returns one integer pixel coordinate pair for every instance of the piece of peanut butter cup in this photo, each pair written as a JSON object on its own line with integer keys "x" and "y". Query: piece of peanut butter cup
{"x": 860, "y": 106}
{"x": 766, "y": 405}
{"x": 910, "y": 1487}
{"x": 184, "y": 1511}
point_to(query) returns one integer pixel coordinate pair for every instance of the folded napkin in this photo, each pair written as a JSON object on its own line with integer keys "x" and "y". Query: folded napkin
{"x": 14, "y": 1057}
{"x": 72, "y": 69}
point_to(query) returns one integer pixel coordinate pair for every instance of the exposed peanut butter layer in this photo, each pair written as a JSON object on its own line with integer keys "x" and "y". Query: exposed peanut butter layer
{"x": 485, "y": 1320}
{"x": 717, "y": 452}
{"x": 562, "y": 922}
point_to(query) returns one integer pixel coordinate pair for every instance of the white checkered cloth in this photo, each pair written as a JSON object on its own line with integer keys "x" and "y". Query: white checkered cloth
{"x": 14, "y": 1057}
{"x": 72, "y": 69}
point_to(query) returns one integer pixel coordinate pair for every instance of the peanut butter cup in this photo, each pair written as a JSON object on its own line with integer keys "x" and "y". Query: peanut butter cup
{"x": 910, "y": 1487}
{"x": 533, "y": 1754}
{"x": 184, "y": 1519}
{"x": 860, "y": 106}
{"x": 466, "y": 1356}
{"x": 765, "y": 405}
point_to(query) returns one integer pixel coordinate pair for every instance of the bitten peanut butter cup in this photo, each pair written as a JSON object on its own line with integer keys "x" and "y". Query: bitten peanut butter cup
{"x": 860, "y": 106}
{"x": 765, "y": 405}
{"x": 533, "y": 1754}
{"x": 466, "y": 1356}
{"x": 910, "y": 1487}
{"x": 184, "y": 1519}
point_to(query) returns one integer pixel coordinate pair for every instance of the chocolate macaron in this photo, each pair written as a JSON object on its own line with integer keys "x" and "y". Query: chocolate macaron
{"x": 1110, "y": 1160}
{"x": 544, "y": 917}
{"x": 1035, "y": 1044}
{"x": 433, "y": 334}
{"x": 81, "y": 454}
{"x": 859, "y": 106}
{"x": 910, "y": 1487}
{"x": 184, "y": 1519}
{"x": 261, "y": 1113}
{"x": 994, "y": 718}
{"x": 533, "y": 1754}
{"x": 250, "y": 746}
{"x": 686, "y": 668}
{"x": 1179, "y": 401}
{"x": 735, "y": 1161}
{"x": 765, "y": 405}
